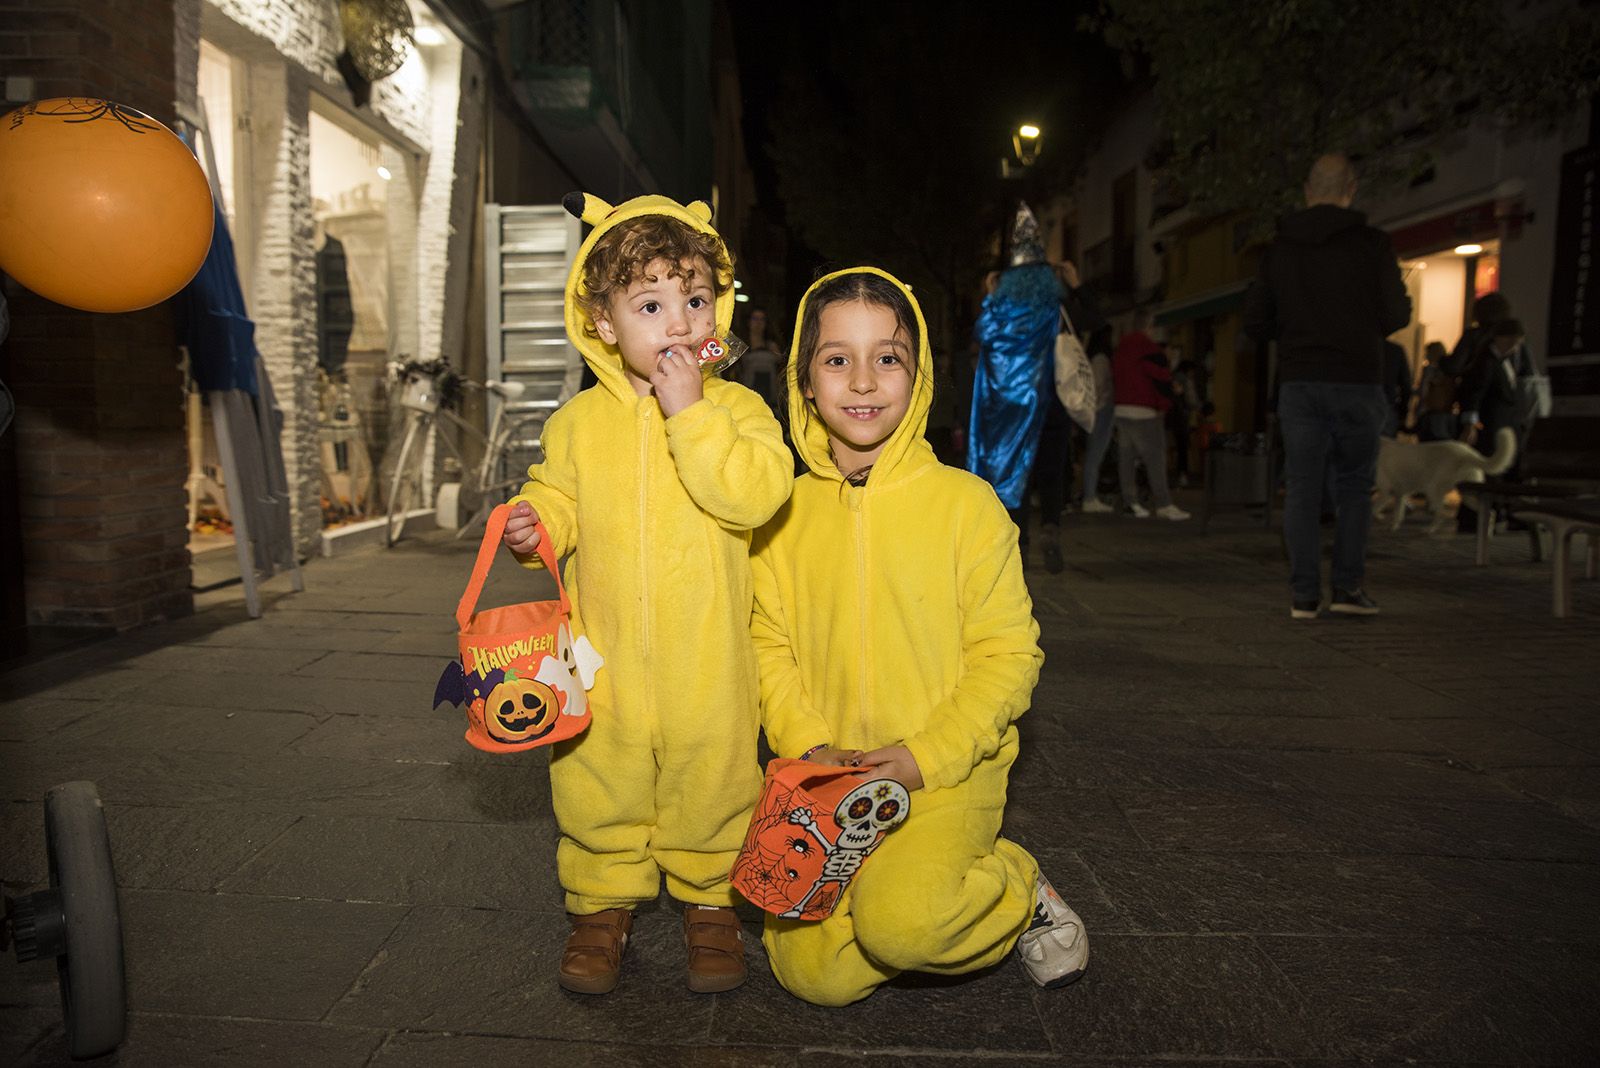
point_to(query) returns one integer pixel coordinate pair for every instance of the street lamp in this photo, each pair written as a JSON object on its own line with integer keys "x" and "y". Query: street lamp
{"x": 1025, "y": 143}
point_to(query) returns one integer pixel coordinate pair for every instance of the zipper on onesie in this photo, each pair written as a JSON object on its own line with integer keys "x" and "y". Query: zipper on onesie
{"x": 861, "y": 613}
{"x": 642, "y": 428}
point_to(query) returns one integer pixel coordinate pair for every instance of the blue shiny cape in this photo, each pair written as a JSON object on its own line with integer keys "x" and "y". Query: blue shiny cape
{"x": 1017, "y": 339}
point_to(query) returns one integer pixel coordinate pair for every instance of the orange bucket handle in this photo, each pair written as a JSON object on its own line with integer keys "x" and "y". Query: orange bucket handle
{"x": 492, "y": 534}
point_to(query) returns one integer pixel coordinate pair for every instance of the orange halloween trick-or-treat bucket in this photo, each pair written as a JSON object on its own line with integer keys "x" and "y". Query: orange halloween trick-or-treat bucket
{"x": 813, "y": 828}
{"x": 522, "y": 676}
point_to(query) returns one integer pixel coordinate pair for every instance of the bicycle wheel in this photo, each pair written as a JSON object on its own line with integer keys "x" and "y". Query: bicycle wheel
{"x": 405, "y": 483}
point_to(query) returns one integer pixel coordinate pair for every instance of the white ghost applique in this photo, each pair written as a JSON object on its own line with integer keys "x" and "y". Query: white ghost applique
{"x": 571, "y": 671}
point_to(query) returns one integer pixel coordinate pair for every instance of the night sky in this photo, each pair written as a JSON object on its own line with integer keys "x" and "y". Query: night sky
{"x": 985, "y": 75}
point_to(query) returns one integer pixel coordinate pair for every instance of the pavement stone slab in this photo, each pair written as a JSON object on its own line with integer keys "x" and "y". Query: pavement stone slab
{"x": 241, "y": 956}
{"x": 319, "y": 695}
{"x": 1356, "y": 733}
{"x": 408, "y": 862}
{"x": 22, "y": 857}
{"x": 1533, "y": 899}
{"x": 216, "y": 729}
{"x": 1389, "y": 775}
{"x": 494, "y": 972}
{"x": 419, "y": 671}
{"x": 222, "y": 660}
{"x": 30, "y": 1034}
{"x": 1069, "y": 818}
{"x": 288, "y": 637}
{"x": 1219, "y": 820}
{"x": 31, "y": 719}
{"x": 1487, "y": 742}
{"x": 1449, "y": 999}
{"x": 438, "y": 738}
{"x": 430, "y": 1050}
{"x": 1575, "y": 791}
{"x": 1287, "y": 893}
{"x": 157, "y": 1040}
{"x": 1508, "y": 830}
{"x": 1157, "y": 996}
{"x": 187, "y": 848}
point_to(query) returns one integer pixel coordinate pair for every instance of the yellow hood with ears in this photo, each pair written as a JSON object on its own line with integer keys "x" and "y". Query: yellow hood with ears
{"x": 606, "y": 360}
{"x": 907, "y": 446}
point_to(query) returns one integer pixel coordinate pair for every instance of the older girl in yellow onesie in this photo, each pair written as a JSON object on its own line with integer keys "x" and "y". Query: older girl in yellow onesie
{"x": 653, "y": 480}
{"x": 894, "y": 630}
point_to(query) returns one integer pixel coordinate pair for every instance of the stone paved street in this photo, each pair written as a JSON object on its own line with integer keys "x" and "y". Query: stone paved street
{"x": 1326, "y": 843}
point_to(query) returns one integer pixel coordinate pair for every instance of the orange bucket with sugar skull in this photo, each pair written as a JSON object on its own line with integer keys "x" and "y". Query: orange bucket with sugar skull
{"x": 522, "y": 677}
{"x": 813, "y": 828}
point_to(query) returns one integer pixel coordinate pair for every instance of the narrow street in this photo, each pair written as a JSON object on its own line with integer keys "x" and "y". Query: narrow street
{"x": 1299, "y": 843}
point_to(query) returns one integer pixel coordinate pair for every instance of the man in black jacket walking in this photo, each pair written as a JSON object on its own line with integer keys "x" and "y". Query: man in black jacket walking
{"x": 1329, "y": 292}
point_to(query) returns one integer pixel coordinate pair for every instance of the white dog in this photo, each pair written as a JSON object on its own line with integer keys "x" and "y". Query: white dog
{"x": 1432, "y": 468}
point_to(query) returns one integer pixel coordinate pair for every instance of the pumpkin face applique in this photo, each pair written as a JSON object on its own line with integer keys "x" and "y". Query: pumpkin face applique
{"x": 521, "y": 710}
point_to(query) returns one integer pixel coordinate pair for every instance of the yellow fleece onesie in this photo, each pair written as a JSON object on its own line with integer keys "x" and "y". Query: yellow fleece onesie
{"x": 896, "y": 613}
{"x": 657, "y": 515}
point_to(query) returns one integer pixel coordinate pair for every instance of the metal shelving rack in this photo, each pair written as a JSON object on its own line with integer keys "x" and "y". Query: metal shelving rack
{"x": 528, "y": 251}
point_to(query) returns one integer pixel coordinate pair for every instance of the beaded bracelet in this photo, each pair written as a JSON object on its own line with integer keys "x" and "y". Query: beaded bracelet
{"x": 814, "y": 749}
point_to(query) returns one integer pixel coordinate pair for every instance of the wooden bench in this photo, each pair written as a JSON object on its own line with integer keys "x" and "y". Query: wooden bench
{"x": 1560, "y": 464}
{"x": 1566, "y": 518}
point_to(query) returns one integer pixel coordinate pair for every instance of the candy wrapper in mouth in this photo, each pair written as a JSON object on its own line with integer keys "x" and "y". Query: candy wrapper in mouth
{"x": 717, "y": 354}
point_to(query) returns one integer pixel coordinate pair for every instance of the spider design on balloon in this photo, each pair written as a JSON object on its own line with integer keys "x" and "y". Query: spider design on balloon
{"x": 87, "y": 109}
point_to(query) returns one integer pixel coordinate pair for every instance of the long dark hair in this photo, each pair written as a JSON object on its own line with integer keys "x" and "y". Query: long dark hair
{"x": 866, "y": 287}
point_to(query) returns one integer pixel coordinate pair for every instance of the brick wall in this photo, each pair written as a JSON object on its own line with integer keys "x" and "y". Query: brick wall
{"x": 100, "y": 433}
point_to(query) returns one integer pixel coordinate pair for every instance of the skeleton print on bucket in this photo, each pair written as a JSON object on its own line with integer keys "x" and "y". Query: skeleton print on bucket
{"x": 813, "y": 828}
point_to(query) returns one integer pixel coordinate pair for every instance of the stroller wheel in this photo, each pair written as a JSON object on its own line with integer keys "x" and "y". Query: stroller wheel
{"x": 76, "y": 920}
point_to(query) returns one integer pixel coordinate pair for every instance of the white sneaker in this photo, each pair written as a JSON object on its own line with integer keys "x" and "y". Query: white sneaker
{"x": 1138, "y": 511}
{"x": 1055, "y": 947}
{"x": 1095, "y": 506}
{"x": 1172, "y": 512}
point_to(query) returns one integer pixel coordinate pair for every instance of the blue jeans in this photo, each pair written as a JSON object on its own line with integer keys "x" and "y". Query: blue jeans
{"x": 1095, "y": 454}
{"x": 1328, "y": 425}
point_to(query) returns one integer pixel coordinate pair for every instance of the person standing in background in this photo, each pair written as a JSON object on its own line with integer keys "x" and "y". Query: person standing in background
{"x": 1329, "y": 291}
{"x": 1142, "y": 385}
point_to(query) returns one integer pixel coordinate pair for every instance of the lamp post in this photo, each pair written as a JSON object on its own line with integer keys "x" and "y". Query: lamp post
{"x": 1025, "y": 142}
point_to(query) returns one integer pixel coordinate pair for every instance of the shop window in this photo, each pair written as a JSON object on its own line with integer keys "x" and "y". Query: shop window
{"x": 361, "y": 229}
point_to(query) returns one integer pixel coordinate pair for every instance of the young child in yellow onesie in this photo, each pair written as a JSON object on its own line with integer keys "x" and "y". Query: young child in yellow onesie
{"x": 894, "y": 631}
{"x": 653, "y": 480}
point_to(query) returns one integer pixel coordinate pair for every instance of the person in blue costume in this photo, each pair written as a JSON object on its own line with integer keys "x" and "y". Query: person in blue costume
{"x": 1016, "y": 333}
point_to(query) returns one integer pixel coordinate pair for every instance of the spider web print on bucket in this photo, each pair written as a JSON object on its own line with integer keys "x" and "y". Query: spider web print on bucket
{"x": 813, "y": 828}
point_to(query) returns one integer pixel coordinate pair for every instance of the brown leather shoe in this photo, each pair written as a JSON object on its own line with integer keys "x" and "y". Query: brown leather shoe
{"x": 592, "y": 960}
{"x": 716, "y": 949}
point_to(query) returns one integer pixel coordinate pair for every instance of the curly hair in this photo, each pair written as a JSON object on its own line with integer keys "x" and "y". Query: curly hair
{"x": 621, "y": 255}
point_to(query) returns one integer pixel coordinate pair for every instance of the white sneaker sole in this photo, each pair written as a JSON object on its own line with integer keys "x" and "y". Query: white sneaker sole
{"x": 1070, "y": 961}
{"x": 1352, "y": 610}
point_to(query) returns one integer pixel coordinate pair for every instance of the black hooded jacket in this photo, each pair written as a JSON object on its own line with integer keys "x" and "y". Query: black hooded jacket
{"x": 1329, "y": 292}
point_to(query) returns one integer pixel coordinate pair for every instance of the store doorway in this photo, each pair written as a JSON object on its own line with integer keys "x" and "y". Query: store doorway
{"x": 360, "y": 231}
{"x": 1443, "y": 286}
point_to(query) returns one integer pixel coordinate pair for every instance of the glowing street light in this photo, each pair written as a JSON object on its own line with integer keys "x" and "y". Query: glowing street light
{"x": 1025, "y": 143}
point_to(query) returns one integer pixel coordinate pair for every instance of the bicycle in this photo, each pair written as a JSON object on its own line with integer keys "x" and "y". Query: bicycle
{"x": 427, "y": 391}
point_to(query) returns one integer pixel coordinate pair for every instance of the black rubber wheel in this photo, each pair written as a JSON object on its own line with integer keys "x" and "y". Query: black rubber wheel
{"x": 90, "y": 971}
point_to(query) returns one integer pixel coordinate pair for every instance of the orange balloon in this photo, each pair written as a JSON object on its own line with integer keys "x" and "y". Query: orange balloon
{"x": 101, "y": 207}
